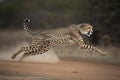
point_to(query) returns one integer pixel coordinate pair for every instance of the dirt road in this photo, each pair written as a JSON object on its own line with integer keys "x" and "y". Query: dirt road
{"x": 64, "y": 70}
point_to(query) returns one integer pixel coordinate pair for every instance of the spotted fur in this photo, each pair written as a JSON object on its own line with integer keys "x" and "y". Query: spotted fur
{"x": 41, "y": 42}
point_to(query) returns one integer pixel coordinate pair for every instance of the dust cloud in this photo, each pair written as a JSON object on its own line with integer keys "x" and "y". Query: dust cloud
{"x": 48, "y": 57}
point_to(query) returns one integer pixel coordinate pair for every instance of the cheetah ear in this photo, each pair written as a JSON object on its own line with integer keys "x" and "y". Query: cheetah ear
{"x": 87, "y": 23}
{"x": 72, "y": 25}
{"x": 79, "y": 26}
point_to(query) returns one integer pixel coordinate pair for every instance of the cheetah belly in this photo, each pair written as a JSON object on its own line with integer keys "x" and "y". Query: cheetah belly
{"x": 63, "y": 42}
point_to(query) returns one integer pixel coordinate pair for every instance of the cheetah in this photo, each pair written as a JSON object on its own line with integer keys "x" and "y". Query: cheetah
{"x": 42, "y": 41}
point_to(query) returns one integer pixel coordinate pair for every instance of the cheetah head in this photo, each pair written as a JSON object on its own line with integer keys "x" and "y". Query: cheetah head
{"x": 85, "y": 29}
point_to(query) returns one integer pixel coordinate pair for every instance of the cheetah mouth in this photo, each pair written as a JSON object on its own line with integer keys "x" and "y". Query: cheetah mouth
{"x": 89, "y": 33}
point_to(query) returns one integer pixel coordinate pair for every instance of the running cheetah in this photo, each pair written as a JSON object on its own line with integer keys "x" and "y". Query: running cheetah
{"x": 42, "y": 41}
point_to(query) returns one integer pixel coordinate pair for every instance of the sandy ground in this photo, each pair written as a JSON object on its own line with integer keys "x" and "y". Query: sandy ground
{"x": 63, "y": 70}
{"x": 50, "y": 66}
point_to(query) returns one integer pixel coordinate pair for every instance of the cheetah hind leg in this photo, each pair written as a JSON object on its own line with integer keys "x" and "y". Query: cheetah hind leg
{"x": 24, "y": 56}
{"x": 17, "y": 53}
{"x": 41, "y": 49}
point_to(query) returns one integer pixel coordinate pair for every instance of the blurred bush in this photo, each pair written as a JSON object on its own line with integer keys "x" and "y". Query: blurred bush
{"x": 104, "y": 15}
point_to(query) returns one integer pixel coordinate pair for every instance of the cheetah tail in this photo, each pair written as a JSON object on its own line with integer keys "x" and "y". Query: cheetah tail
{"x": 26, "y": 28}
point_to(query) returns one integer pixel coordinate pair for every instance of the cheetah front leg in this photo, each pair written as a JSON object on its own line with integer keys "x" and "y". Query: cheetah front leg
{"x": 89, "y": 47}
{"x": 82, "y": 45}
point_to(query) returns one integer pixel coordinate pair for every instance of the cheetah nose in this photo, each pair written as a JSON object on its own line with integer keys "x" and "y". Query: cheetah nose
{"x": 89, "y": 33}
